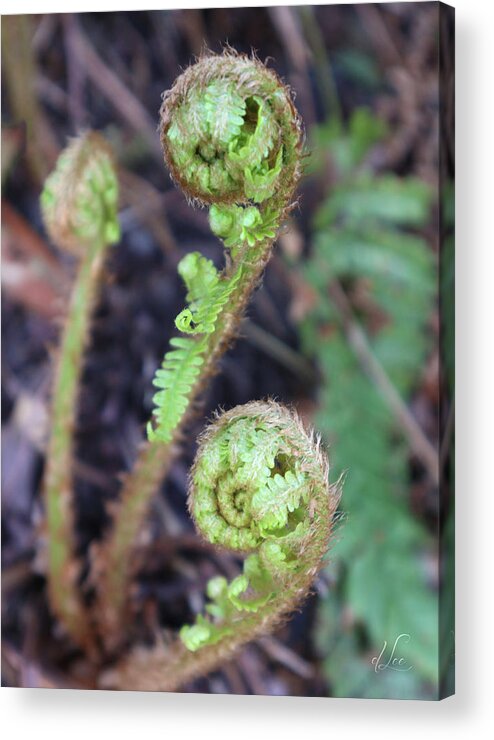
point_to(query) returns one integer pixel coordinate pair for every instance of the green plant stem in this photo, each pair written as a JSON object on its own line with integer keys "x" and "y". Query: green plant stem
{"x": 63, "y": 568}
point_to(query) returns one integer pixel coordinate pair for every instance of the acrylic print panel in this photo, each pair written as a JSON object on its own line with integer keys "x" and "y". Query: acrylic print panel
{"x": 272, "y": 241}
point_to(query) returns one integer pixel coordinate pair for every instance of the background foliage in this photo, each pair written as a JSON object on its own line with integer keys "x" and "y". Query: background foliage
{"x": 366, "y": 237}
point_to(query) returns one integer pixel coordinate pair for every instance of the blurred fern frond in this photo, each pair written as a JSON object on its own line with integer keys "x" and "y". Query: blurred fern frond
{"x": 367, "y": 237}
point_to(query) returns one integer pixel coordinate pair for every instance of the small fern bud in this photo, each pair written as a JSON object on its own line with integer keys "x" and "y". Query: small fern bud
{"x": 80, "y": 197}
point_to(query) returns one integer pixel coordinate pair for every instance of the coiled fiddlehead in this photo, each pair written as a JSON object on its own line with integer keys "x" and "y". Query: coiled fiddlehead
{"x": 259, "y": 485}
{"x": 230, "y": 132}
{"x": 79, "y": 207}
{"x": 232, "y": 140}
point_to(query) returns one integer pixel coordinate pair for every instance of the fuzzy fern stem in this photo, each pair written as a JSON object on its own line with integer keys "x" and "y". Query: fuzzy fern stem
{"x": 259, "y": 485}
{"x": 232, "y": 140}
{"x": 79, "y": 209}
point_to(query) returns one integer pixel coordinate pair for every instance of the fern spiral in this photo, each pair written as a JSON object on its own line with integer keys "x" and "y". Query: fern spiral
{"x": 259, "y": 486}
{"x": 230, "y": 132}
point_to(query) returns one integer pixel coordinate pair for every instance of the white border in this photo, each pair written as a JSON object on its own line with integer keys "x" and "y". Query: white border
{"x": 58, "y": 6}
{"x": 84, "y": 715}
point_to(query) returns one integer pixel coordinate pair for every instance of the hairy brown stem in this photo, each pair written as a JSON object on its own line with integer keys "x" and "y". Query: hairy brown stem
{"x": 168, "y": 668}
{"x": 115, "y": 562}
{"x": 79, "y": 207}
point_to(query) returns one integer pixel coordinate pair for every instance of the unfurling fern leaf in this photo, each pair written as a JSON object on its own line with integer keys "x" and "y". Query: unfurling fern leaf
{"x": 232, "y": 139}
{"x": 79, "y": 203}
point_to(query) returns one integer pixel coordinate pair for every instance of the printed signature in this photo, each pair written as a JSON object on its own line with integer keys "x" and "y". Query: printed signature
{"x": 390, "y": 658}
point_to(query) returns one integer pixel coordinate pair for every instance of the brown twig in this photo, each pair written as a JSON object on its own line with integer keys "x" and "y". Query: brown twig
{"x": 359, "y": 343}
{"x": 286, "y": 657}
{"x": 19, "y": 67}
{"x": 279, "y": 351}
{"x": 377, "y": 30}
{"x": 113, "y": 88}
{"x": 76, "y": 74}
{"x": 323, "y": 68}
{"x": 286, "y": 23}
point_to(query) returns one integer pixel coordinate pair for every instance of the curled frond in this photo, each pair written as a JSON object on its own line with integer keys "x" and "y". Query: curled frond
{"x": 79, "y": 205}
{"x": 259, "y": 485}
{"x": 230, "y": 132}
{"x": 232, "y": 139}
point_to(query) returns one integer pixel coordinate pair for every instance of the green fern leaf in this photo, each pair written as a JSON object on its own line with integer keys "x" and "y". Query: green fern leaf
{"x": 209, "y": 293}
{"x": 175, "y": 378}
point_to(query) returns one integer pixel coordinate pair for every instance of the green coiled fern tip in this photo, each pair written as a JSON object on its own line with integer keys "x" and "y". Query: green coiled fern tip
{"x": 232, "y": 139}
{"x": 230, "y": 132}
{"x": 259, "y": 485}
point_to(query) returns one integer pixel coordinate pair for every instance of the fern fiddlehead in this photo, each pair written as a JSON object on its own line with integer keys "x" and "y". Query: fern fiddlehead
{"x": 259, "y": 485}
{"x": 232, "y": 140}
{"x": 79, "y": 207}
